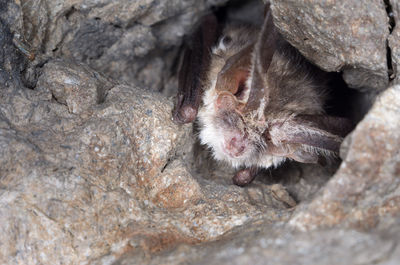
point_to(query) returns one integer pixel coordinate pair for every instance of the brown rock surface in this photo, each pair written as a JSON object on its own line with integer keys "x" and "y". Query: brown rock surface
{"x": 278, "y": 245}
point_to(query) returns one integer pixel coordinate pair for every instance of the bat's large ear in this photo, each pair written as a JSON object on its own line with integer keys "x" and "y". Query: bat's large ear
{"x": 193, "y": 68}
{"x": 264, "y": 50}
{"x": 304, "y": 137}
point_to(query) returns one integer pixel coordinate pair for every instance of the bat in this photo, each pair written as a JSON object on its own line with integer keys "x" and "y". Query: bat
{"x": 261, "y": 100}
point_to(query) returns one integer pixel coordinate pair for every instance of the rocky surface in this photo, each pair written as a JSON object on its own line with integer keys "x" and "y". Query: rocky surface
{"x": 93, "y": 170}
{"x": 348, "y": 36}
{"x": 263, "y": 244}
{"x": 78, "y": 186}
{"x": 126, "y": 40}
{"x": 394, "y": 37}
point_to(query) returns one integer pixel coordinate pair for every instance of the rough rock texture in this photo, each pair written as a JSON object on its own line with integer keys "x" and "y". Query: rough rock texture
{"x": 348, "y": 36}
{"x": 112, "y": 37}
{"x": 10, "y": 61}
{"x": 93, "y": 170}
{"x": 76, "y": 186}
{"x": 394, "y": 38}
{"x": 263, "y": 244}
{"x": 76, "y": 86}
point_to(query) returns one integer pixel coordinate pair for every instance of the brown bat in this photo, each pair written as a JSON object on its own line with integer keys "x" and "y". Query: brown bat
{"x": 262, "y": 102}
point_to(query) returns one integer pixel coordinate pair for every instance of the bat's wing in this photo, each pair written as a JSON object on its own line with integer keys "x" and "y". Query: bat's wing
{"x": 305, "y": 137}
{"x": 193, "y": 69}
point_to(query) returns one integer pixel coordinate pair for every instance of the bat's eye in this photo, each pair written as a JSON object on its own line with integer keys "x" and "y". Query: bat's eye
{"x": 227, "y": 40}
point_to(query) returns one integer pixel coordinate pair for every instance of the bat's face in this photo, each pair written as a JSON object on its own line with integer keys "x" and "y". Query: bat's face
{"x": 225, "y": 128}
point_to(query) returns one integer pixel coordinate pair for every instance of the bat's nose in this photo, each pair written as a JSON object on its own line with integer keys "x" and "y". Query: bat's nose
{"x": 235, "y": 146}
{"x": 225, "y": 101}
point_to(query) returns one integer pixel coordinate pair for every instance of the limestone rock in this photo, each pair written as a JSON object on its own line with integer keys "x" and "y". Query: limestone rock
{"x": 110, "y": 36}
{"x": 394, "y": 39}
{"x": 11, "y": 62}
{"x": 277, "y": 245}
{"x": 348, "y": 36}
{"x": 76, "y": 86}
{"x": 175, "y": 188}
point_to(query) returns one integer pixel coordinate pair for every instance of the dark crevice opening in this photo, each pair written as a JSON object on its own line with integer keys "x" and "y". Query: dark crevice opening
{"x": 169, "y": 161}
{"x": 391, "y": 71}
{"x": 390, "y": 14}
{"x": 392, "y": 24}
{"x": 69, "y": 12}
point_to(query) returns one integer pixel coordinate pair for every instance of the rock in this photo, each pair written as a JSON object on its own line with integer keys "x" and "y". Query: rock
{"x": 10, "y": 15}
{"x": 11, "y": 61}
{"x": 76, "y": 86}
{"x": 345, "y": 36}
{"x": 394, "y": 39}
{"x": 175, "y": 188}
{"x": 277, "y": 245}
{"x": 110, "y": 36}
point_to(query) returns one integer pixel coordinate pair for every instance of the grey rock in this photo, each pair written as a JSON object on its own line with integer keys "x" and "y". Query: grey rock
{"x": 76, "y": 86}
{"x": 92, "y": 39}
{"x": 10, "y": 15}
{"x": 110, "y": 36}
{"x": 394, "y": 40}
{"x": 276, "y": 245}
{"x": 348, "y": 36}
{"x": 11, "y": 61}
